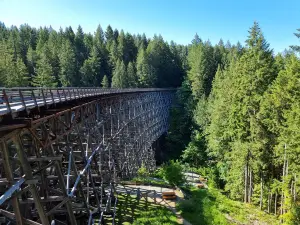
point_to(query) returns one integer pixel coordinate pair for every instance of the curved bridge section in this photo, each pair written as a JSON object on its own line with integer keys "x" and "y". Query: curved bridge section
{"x": 61, "y": 156}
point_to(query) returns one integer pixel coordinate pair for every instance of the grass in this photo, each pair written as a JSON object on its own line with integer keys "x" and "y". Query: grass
{"x": 209, "y": 206}
{"x": 142, "y": 212}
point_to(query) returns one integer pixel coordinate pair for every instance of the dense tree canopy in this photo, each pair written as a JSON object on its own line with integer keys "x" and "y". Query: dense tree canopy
{"x": 41, "y": 57}
{"x": 240, "y": 109}
{"x": 237, "y": 107}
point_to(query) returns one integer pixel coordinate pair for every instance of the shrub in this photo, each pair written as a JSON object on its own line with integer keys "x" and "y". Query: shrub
{"x": 173, "y": 173}
{"x": 143, "y": 173}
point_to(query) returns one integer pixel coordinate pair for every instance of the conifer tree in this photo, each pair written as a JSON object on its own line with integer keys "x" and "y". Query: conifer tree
{"x": 131, "y": 74}
{"x": 296, "y": 47}
{"x": 18, "y": 75}
{"x": 67, "y": 59}
{"x": 44, "y": 71}
{"x": 119, "y": 78}
{"x": 105, "y": 82}
{"x": 145, "y": 71}
{"x": 6, "y": 62}
{"x": 81, "y": 51}
{"x": 251, "y": 76}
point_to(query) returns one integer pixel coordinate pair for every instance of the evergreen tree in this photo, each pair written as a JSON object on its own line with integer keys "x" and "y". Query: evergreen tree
{"x": 14, "y": 42}
{"x": 43, "y": 36}
{"x": 279, "y": 113}
{"x": 197, "y": 40}
{"x": 44, "y": 71}
{"x": 119, "y": 78}
{"x": 296, "y": 47}
{"x": 31, "y": 61}
{"x": 88, "y": 43}
{"x": 105, "y": 82}
{"x": 253, "y": 72}
{"x": 6, "y": 62}
{"x": 27, "y": 39}
{"x": 18, "y": 76}
{"x": 3, "y": 31}
{"x": 54, "y": 44}
{"x": 69, "y": 34}
{"x": 90, "y": 70}
{"x": 131, "y": 75}
{"x": 109, "y": 34}
{"x": 99, "y": 37}
{"x": 145, "y": 71}
{"x": 81, "y": 51}
{"x": 67, "y": 59}
{"x": 202, "y": 69}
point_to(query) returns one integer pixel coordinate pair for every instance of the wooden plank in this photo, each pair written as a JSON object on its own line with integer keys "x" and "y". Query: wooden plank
{"x": 12, "y": 216}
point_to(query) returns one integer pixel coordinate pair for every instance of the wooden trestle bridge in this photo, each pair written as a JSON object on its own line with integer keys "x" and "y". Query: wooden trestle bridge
{"x": 63, "y": 150}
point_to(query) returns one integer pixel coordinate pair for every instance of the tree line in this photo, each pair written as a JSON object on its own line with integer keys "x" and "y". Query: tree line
{"x": 45, "y": 57}
{"x": 240, "y": 115}
{"x": 239, "y": 104}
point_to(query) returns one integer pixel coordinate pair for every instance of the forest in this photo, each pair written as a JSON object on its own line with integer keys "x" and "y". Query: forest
{"x": 47, "y": 58}
{"x": 238, "y": 106}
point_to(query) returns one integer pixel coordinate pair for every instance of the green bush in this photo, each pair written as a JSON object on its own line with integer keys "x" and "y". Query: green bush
{"x": 188, "y": 206}
{"x": 172, "y": 172}
{"x": 143, "y": 173}
{"x": 158, "y": 173}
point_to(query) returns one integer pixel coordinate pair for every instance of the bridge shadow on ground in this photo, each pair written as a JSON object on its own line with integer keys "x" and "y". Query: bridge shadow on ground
{"x": 131, "y": 210}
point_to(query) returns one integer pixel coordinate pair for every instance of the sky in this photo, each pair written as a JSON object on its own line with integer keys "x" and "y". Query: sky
{"x": 177, "y": 20}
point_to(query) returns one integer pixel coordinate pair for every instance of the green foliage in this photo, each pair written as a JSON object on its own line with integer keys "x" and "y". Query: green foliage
{"x": 44, "y": 71}
{"x": 142, "y": 172}
{"x": 67, "y": 60}
{"x": 18, "y": 76}
{"x": 195, "y": 153}
{"x": 172, "y": 172}
{"x": 211, "y": 207}
{"x": 16, "y": 68}
{"x": 132, "y": 77}
{"x": 119, "y": 79}
{"x": 160, "y": 216}
{"x": 82, "y": 59}
{"x": 296, "y": 47}
{"x": 145, "y": 71}
{"x": 105, "y": 82}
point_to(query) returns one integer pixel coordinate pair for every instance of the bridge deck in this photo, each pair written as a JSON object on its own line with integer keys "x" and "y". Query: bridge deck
{"x": 18, "y": 99}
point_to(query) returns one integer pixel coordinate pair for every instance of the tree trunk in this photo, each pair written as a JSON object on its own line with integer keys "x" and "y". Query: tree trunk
{"x": 283, "y": 179}
{"x": 261, "y": 192}
{"x": 246, "y": 183}
{"x": 295, "y": 189}
{"x": 250, "y": 185}
{"x": 275, "y": 203}
{"x": 292, "y": 190}
{"x": 270, "y": 198}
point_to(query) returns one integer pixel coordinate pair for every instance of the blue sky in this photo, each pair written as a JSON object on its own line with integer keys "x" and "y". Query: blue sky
{"x": 176, "y": 20}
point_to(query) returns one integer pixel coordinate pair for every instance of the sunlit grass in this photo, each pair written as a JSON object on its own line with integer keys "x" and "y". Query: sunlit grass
{"x": 130, "y": 210}
{"x": 212, "y": 207}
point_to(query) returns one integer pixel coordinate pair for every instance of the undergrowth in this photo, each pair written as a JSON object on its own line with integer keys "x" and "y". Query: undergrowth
{"x": 209, "y": 206}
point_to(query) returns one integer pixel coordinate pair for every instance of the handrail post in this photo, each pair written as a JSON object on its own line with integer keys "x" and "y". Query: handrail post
{"x": 34, "y": 98}
{"x": 44, "y": 100}
{"x": 69, "y": 94}
{"x": 52, "y": 96}
{"x": 22, "y": 99}
{"x": 58, "y": 95}
{"x": 5, "y": 97}
{"x": 65, "y": 96}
